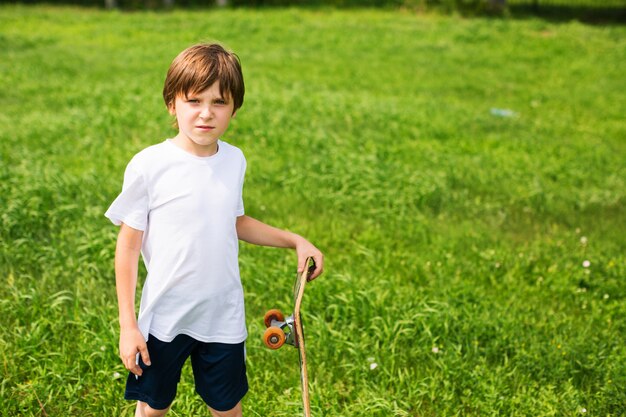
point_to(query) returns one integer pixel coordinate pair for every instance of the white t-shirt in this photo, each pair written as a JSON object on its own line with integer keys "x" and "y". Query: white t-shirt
{"x": 187, "y": 207}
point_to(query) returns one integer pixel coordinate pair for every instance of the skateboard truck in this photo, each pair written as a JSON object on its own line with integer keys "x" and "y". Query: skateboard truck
{"x": 280, "y": 330}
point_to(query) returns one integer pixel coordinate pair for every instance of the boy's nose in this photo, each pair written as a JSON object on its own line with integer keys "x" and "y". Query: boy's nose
{"x": 205, "y": 113}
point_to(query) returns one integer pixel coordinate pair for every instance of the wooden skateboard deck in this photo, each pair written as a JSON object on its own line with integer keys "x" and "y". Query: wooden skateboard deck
{"x": 289, "y": 330}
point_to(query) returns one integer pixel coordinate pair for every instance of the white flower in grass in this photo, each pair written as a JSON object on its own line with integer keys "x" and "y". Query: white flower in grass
{"x": 583, "y": 410}
{"x": 586, "y": 263}
{"x": 583, "y": 240}
{"x": 116, "y": 375}
{"x": 373, "y": 365}
{"x": 435, "y": 349}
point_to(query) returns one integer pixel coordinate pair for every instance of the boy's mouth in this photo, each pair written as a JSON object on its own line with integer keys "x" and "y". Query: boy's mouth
{"x": 205, "y": 127}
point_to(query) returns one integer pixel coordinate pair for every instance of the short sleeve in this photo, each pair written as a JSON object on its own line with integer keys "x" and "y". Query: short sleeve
{"x": 240, "y": 208}
{"x": 131, "y": 206}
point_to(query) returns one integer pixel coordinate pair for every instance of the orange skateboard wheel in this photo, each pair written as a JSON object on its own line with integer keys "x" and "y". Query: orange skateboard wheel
{"x": 273, "y": 337}
{"x": 273, "y": 314}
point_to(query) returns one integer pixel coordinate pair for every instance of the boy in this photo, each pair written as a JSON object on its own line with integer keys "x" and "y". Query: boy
{"x": 181, "y": 207}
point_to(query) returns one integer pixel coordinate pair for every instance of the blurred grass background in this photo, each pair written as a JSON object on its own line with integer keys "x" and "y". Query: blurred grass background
{"x": 465, "y": 178}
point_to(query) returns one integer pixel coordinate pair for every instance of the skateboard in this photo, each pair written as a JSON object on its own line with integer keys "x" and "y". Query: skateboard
{"x": 281, "y": 330}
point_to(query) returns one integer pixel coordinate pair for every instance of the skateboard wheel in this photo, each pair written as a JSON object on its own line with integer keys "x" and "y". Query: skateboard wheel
{"x": 273, "y": 337}
{"x": 273, "y": 314}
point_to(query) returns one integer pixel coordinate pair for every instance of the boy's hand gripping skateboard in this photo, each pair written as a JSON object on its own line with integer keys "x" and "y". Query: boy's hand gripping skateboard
{"x": 281, "y": 330}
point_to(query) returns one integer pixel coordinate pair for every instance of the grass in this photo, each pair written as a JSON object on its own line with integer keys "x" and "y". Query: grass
{"x": 455, "y": 238}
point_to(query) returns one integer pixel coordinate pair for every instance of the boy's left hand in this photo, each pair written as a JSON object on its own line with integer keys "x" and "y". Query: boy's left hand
{"x": 305, "y": 249}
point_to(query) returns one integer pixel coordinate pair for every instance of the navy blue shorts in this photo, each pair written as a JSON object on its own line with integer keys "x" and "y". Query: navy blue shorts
{"x": 219, "y": 372}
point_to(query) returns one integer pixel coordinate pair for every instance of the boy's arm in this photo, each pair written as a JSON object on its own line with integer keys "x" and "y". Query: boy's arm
{"x": 253, "y": 231}
{"x": 126, "y": 264}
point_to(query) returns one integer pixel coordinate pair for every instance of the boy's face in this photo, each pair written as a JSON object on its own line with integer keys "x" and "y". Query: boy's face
{"x": 202, "y": 119}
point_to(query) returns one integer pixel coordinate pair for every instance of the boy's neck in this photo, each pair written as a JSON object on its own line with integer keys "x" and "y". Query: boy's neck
{"x": 194, "y": 148}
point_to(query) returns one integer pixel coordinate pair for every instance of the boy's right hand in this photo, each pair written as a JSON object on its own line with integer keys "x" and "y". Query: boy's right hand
{"x": 131, "y": 343}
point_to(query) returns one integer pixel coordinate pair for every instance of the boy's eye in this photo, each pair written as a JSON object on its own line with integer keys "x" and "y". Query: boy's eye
{"x": 220, "y": 101}
{"x": 193, "y": 100}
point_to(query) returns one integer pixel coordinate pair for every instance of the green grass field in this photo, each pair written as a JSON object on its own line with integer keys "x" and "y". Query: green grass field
{"x": 475, "y": 261}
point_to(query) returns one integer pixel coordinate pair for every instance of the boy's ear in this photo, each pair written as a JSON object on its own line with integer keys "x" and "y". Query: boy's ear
{"x": 171, "y": 108}
{"x": 234, "y": 114}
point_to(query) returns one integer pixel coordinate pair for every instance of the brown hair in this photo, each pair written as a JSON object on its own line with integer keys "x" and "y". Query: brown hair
{"x": 196, "y": 68}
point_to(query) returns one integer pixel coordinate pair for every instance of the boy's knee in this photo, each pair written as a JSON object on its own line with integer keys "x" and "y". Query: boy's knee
{"x": 144, "y": 410}
{"x": 234, "y": 412}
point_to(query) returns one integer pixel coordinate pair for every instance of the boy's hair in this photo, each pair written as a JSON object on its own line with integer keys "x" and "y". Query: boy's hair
{"x": 196, "y": 68}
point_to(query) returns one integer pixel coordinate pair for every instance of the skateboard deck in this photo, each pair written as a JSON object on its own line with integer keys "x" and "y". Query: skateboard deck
{"x": 281, "y": 330}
